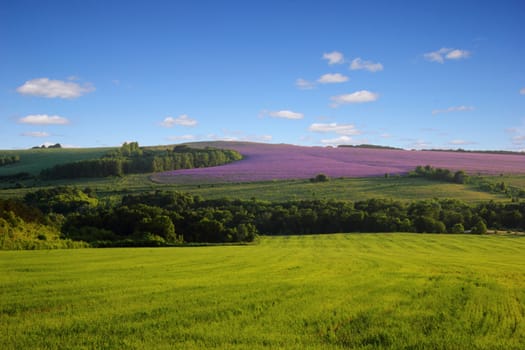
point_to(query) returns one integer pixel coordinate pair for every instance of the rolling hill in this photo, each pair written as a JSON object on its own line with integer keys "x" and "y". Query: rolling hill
{"x": 264, "y": 162}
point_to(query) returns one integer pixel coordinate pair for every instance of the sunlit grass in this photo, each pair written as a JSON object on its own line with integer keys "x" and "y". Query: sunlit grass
{"x": 363, "y": 291}
{"x": 354, "y": 189}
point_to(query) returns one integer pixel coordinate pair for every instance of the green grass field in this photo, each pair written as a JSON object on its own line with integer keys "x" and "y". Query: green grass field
{"x": 354, "y": 189}
{"x": 33, "y": 161}
{"x": 358, "y": 291}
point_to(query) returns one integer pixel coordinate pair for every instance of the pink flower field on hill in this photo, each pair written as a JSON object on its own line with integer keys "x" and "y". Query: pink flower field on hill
{"x": 264, "y": 162}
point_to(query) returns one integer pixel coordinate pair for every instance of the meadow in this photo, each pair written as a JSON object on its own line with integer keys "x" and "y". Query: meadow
{"x": 358, "y": 291}
{"x": 354, "y": 189}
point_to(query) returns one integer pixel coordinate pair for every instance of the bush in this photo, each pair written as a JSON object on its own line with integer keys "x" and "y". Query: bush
{"x": 320, "y": 178}
{"x": 479, "y": 228}
{"x": 457, "y": 228}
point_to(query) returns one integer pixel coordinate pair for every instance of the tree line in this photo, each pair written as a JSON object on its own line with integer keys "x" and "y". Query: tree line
{"x": 132, "y": 159}
{"x": 164, "y": 218}
{"x": 440, "y": 174}
{"x": 460, "y": 177}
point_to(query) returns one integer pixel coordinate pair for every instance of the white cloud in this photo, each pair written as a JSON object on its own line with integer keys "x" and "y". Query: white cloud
{"x": 181, "y": 138}
{"x": 446, "y": 53}
{"x": 334, "y": 57}
{"x": 304, "y": 84}
{"x": 332, "y": 78}
{"x": 286, "y": 114}
{"x": 36, "y": 134}
{"x": 182, "y": 120}
{"x": 461, "y": 142}
{"x": 518, "y": 139}
{"x": 370, "y": 66}
{"x": 341, "y": 129}
{"x": 262, "y": 138}
{"x": 453, "y": 109}
{"x": 419, "y": 144}
{"x": 517, "y": 135}
{"x": 43, "y": 119}
{"x": 457, "y": 54}
{"x": 361, "y": 96}
{"x": 522, "y": 91}
{"x": 44, "y": 87}
{"x": 239, "y": 136}
{"x": 337, "y": 141}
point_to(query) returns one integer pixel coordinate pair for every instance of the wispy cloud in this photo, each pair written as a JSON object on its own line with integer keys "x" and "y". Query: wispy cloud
{"x": 419, "y": 144}
{"x": 304, "y": 84}
{"x": 341, "y": 129}
{"x": 332, "y": 78}
{"x": 43, "y": 119}
{"x": 181, "y": 120}
{"x": 236, "y": 135}
{"x": 522, "y": 91}
{"x": 361, "y": 96}
{"x": 334, "y": 57}
{"x": 446, "y": 54}
{"x": 517, "y": 135}
{"x": 45, "y": 87}
{"x": 461, "y": 142}
{"x": 177, "y": 138}
{"x": 453, "y": 109}
{"x": 36, "y": 134}
{"x": 285, "y": 114}
{"x": 370, "y": 66}
{"x": 457, "y": 54}
{"x": 337, "y": 141}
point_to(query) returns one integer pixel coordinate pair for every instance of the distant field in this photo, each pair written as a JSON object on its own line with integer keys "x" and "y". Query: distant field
{"x": 275, "y": 164}
{"x": 265, "y": 162}
{"x": 360, "y": 291}
{"x": 35, "y": 160}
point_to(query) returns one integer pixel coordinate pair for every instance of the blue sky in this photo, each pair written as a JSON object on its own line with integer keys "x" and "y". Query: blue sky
{"x": 410, "y": 74}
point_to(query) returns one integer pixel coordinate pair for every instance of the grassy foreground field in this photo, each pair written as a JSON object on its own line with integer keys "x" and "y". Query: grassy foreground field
{"x": 362, "y": 291}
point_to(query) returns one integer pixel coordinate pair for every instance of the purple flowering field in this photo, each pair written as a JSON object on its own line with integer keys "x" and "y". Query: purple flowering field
{"x": 263, "y": 162}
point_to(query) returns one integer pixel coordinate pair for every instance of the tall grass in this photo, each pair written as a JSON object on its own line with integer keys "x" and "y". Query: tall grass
{"x": 361, "y": 291}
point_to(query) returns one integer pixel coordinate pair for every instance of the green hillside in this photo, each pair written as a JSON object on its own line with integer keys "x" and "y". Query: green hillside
{"x": 33, "y": 161}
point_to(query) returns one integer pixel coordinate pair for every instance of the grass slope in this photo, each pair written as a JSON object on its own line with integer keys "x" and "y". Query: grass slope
{"x": 301, "y": 292}
{"x": 355, "y": 189}
{"x": 33, "y": 161}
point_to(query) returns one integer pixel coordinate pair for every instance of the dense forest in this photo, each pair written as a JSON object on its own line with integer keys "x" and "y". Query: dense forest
{"x": 67, "y": 215}
{"x": 132, "y": 159}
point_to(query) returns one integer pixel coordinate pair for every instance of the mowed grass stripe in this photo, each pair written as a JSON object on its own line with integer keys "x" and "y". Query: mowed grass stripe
{"x": 294, "y": 292}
